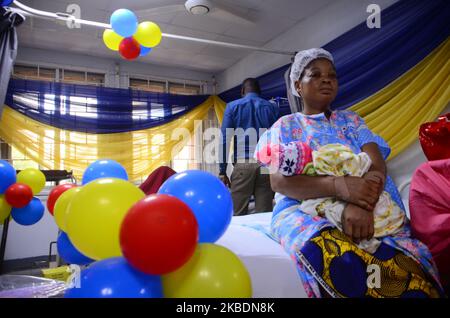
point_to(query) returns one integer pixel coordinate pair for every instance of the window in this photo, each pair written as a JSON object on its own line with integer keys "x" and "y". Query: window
{"x": 20, "y": 161}
{"x": 80, "y": 77}
{"x": 160, "y": 87}
{"x": 183, "y": 89}
{"x": 147, "y": 85}
{"x": 95, "y": 78}
{"x": 34, "y": 73}
{"x": 83, "y": 107}
{"x": 27, "y": 99}
{"x": 49, "y": 102}
{"x": 22, "y": 71}
{"x": 47, "y": 74}
{"x": 73, "y": 76}
{"x": 5, "y": 151}
{"x": 191, "y": 156}
{"x": 16, "y": 158}
{"x": 185, "y": 159}
{"x": 140, "y": 111}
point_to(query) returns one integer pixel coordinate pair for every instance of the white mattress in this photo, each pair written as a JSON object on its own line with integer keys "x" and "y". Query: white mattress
{"x": 272, "y": 272}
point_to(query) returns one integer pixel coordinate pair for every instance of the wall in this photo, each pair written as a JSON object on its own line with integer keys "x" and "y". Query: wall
{"x": 315, "y": 31}
{"x": 34, "y": 240}
{"x": 108, "y": 66}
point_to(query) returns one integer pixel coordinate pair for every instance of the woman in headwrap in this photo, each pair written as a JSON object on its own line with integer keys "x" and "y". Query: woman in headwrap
{"x": 329, "y": 260}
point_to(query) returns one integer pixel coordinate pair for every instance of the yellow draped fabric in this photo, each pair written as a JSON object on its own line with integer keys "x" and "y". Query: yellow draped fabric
{"x": 418, "y": 96}
{"x": 395, "y": 113}
{"x": 140, "y": 152}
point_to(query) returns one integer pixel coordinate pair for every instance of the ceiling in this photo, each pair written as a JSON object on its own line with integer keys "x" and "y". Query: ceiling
{"x": 270, "y": 18}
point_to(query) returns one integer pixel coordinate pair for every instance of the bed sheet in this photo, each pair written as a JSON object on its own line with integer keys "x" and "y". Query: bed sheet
{"x": 272, "y": 271}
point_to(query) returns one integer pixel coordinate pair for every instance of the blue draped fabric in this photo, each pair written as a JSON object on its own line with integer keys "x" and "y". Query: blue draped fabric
{"x": 97, "y": 110}
{"x": 369, "y": 59}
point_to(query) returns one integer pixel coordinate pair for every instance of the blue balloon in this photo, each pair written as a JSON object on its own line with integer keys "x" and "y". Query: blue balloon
{"x": 69, "y": 253}
{"x": 29, "y": 214}
{"x": 124, "y": 22}
{"x": 7, "y": 176}
{"x": 6, "y": 2}
{"x": 104, "y": 168}
{"x": 115, "y": 278}
{"x": 145, "y": 50}
{"x": 208, "y": 198}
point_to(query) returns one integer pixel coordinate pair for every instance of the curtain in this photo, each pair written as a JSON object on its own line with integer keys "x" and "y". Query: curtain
{"x": 8, "y": 48}
{"x": 397, "y": 111}
{"x": 96, "y": 110}
{"x": 140, "y": 151}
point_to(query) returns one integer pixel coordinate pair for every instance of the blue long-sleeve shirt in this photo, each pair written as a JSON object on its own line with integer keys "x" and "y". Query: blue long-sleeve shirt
{"x": 248, "y": 117}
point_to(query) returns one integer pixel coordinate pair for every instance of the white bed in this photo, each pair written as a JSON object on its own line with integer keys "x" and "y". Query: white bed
{"x": 272, "y": 272}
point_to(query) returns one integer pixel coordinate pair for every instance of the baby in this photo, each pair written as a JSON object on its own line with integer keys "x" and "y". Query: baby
{"x": 333, "y": 160}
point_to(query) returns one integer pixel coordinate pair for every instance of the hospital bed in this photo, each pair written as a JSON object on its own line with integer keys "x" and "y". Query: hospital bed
{"x": 272, "y": 271}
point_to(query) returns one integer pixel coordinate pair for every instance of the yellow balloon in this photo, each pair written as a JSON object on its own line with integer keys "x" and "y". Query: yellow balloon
{"x": 60, "y": 209}
{"x": 95, "y": 214}
{"x": 33, "y": 178}
{"x": 5, "y": 209}
{"x": 112, "y": 39}
{"x": 148, "y": 34}
{"x": 212, "y": 272}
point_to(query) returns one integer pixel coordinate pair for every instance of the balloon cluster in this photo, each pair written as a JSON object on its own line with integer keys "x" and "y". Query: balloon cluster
{"x": 17, "y": 194}
{"x": 130, "y": 38}
{"x": 91, "y": 214}
{"x": 154, "y": 246}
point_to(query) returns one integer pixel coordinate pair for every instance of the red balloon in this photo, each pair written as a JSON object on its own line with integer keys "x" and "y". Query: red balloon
{"x": 434, "y": 138}
{"x": 129, "y": 48}
{"x": 18, "y": 195}
{"x": 56, "y": 193}
{"x": 159, "y": 234}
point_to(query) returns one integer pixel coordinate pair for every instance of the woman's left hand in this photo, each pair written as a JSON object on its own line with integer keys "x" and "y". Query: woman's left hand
{"x": 376, "y": 177}
{"x": 357, "y": 223}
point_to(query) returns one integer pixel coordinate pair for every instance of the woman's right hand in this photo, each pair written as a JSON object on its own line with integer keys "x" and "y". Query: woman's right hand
{"x": 357, "y": 223}
{"x": 358, "y": 191}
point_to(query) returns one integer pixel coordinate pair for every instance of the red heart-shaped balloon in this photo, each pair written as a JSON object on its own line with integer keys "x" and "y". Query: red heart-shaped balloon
{"x": 435, "y": 138}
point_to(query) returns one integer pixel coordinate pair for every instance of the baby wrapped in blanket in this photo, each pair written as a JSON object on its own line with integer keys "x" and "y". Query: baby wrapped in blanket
{"x": 333, "y": 160}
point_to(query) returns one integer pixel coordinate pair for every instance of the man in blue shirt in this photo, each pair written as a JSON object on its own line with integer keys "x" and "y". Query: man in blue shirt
{"x": 246, "y": 119}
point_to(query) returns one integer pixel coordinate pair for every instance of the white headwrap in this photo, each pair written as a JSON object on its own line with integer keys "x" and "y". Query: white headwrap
{"x": 302, "y": 59}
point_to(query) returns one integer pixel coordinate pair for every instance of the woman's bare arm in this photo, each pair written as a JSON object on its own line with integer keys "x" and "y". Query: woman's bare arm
{"x": 357, "y": 221}
{"x": 359, "y": 191}
{"x": 378, "y": 163}
{"x": 302, "y": 187}
{"x": 377, "y": 172}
